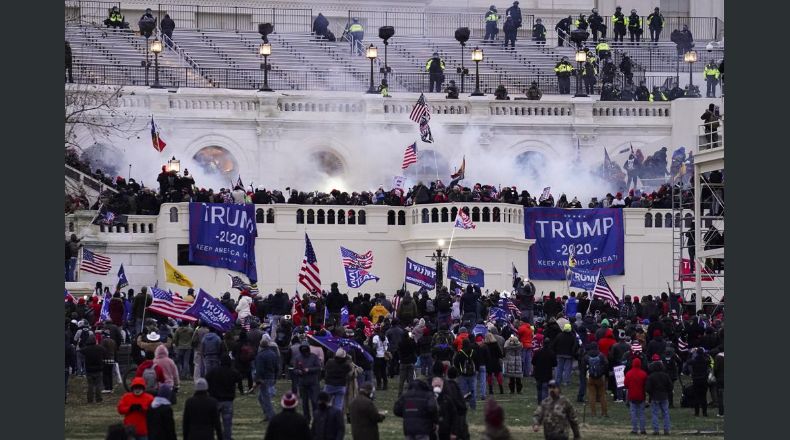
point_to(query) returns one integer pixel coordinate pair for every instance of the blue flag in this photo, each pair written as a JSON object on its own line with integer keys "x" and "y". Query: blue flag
{"x": 223, "y": 235}
{"x": 344, "y": 315}
{"x": 358, "y": 277}
{"x": 332, "y": 343}
{"x": 583, "y": 278}
{"x": 104, "y": 315}
{"x": 209, "y": 310}
{"x": 420, "y": 275}
{"x": 497, "y": 314}
{"x": 122, "y": 281}
{"x": 465, "y": 274}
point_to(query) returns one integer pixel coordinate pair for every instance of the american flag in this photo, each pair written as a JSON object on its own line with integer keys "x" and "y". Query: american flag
{"x": 355, "y": 261}
{"x": 462, "y": 220}
{"x": 159, "y": 143}
{"x": 239, "y": 284}
{"x": 682, "y": 345}
{"x": 636, "y": 347}
{"x": 603, "y": 291}
{"x": 309, "y": 275}
{"x": 508, "y": 304}
{"x": 167, "y": 304}
{"x": 69, "y": 297}
{"x": 396, "y": 304}
{"x": 420, "y": 109}
{"x": 409, "y": 156}
{"x": 95, "y": 263}
{"x": 425, "y": 130}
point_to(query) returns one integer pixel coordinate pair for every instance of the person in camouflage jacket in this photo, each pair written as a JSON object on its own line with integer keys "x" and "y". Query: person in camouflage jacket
{"x": 556, "y": 414}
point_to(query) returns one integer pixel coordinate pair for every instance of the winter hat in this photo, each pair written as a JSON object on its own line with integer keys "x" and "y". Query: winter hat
{"x": 605, "y": 323}
{"x": 567, "y": 328}
{"x": 266, "y": 340}
{"x": 289, "y": 400}
{"x": 340, "y": 353}
{"x": 494, "y": 414}
{"x": 201, "y": 385}
{"x": 656, "y": 333}
{"x": 164, "y": 391}
{"x": 656, "y": 357}
{"x": 463, "y": 330}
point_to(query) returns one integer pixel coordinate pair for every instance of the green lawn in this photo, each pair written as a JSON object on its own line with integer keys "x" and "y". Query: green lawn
{"x": 84, "y": 421}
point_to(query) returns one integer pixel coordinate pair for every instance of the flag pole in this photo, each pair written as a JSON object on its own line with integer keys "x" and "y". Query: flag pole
{"x": 449, "y": 247}
{"x": 435, "y": 166}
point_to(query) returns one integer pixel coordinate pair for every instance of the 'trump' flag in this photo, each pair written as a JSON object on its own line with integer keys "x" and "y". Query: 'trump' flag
{"x": 110, "y": 218}
{"x": 420, "y": 275}
{"x": 459, "y": 175}
{"x": 332, "y": 343}
{"x": 603, "y": 291}
{"x": 344, "y": 315}
{"x": 209, "y": 310}
{"x": 583, "y": 278}
{"x": 465, "y": 274}
{"x": 309, "y": 275}
{"x": 425, "y": 131}
{"x": 497, "y": 314}
{"x": 159, "y": 143}
{"x": 122, "y": 281}
{"x": 95, "y": 263}
{"x": 356, "y": 267}
{"x": 409, "y": 156}
{"x": 167, "y": 304}
{"x": 463, "y": 221}
{"x": 420, "y": 109}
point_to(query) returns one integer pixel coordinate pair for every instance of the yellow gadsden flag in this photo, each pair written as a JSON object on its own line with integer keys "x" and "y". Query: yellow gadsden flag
{"x": 176, "y": 277}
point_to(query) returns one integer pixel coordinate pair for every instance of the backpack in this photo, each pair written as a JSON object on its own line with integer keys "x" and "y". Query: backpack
{"x": 83, "y": 338}
{"x": 467, "y": 365}
{"x": 595, "y": 366}
{"x": 429, "y": 308}
{"x": 443, "y": 303}
{"x": 246, "y": 353}
{"x": 151, "y": 383}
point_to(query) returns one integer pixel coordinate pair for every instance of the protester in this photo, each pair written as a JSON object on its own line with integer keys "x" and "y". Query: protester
{"x": 267, "y": 370}
{"x": 557, "y": 416}
{"x": 288, "y": 424}
{"x": 134, "y": 406}
{"x": 201, "y": 415}
{"x": 161, "y": 425}
{"x": 328, "y": 423}
{"x": 364, "y": 415}
{"x": 222, "y": 387}
{"x": 635, "y": 380}
{"x": 494, "y": 417}
{"x": 659, "y": 387}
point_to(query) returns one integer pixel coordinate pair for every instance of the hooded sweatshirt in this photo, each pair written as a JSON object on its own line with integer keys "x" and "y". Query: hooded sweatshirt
{"x": 635, "y": 381}
{"x": 136, "y": 418}
{"x": 168, "y": 367}
{"x": 606, "y": 342}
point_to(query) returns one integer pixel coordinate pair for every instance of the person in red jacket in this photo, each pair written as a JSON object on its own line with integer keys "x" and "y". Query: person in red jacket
{"x": 96, "y": 309}
{"x": 525, "y": 336}
{"x": 117, "y": 309}
{"x": 635, "y": 381}
{"x": 605, "y": 343}
{"x": 463, "y": 333}
{"x": 134, "y": 407}
{"x": 147, "y": 363}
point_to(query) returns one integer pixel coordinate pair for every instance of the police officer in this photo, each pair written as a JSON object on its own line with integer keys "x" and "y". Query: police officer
{"x": 628, "y": 92}
{"x": 452, "y": 90}
{"x": 533, "y": 92}
{"x": 539, "y": 32}
{"x": 357, "y": 35}
{"x": 608, "y": 71}
{"x": 626, "y": 67}
{"x": 591, "y": 57}
{"x": 602, "y": 49}
{"x": 618, "y": 20}
{"x": 634, "y": 24}
{"x": 564, "y": 71}
{"x": 515, "y": 13}
{"x": 435, "y": 68}
{"x": 657, "y": 95}
{"x": 609, "y": 92}
{"x": 712, "y": 78}
{"x": 510, "y": 30}
{"x": 581, "y": 22}
{"x": 596, "y": 25}
{"x": 589, "y": 73}
{"x": 557, "y": 415}
{"x": 655, "y": 22}
{"x": 642, "y": 92}
{"x": 115, "y": 20}
{"x": 563, "y": 29}
{"x": 492, "y": 17}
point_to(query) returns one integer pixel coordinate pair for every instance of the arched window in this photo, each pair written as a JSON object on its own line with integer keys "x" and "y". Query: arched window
{"x": 173, "y": 215}
{"x": 659, "y": 220}
{"x": 321, "y": 217}
{"x": 435, "y": 215}
{"x": 352, "y": 217}
{"x": 391, "y": 217}
{"x": 667, "y": 220}
{"x": 270, "y": 215}
{"x": 134, "y": 228}
{"x": 299, "y": 216}
{"x": 150, "y": 228}
{"x": 496, "y": 213}
{"x": 401, "y": 218}
{"x": 330, "y": 217}
{"x": 445, "y": 215}
{"x": 414, "y": 216}
{"x": 687, "y": 219}
{"x": 425, "y": 215}
{"x": 648, "y": 220}
{"x": 677, "y": 220}
{"x": 361, "y": 217}
{"x": 453, "y": 213}
{"x": 341, "y": 217}
{"x": 310, "y": 217}
{"x": 259, "y": 215}
{"x": 486, "y": 215}
{"x": 475, "y": 214}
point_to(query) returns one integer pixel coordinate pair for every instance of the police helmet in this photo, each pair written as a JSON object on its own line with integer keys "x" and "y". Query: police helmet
{"x": 633, "y": 11}
{"x": 594, "y": 10}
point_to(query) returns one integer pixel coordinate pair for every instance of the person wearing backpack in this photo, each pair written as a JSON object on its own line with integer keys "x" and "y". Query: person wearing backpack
{"x": 243, "y": 356}
{"x": 151, "y": 374}
{"x": 464, "y": 362}
{"x": 221, "y": 386}
{"x": 211, "y": 348}
{"x": 93, "y": 355}
{"x": 596, "y": 367}
{"x": 169, "y": 370}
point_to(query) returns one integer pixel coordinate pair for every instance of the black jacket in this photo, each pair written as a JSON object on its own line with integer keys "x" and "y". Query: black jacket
{"x": 418, "y": 408}
{"x": 447, "y": 415}
{"x": 544, "y": 361}
{"x": 167, "y": 25}
{"x": 94, "y": 358}
{"x": 658, "y": 385}
{"x": 328, "y": 424}
{"x": 161, "y": 425}
{"x": 337, "y": 371}
{"x": 565, "y": 344}
{"x": 201, "y": 418}
{"x": 288, "y": 424}
{"x": 222, "y": 383}
{"x": 407, "y": 350}
{"x": 334, "y": 302}
{"x": 515, "y": 13}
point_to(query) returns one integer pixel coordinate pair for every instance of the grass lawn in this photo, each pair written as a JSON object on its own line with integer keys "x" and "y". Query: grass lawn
{"x": 90, "y": 421}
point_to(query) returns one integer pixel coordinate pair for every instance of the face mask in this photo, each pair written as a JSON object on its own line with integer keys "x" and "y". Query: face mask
{"x": 137, "y": 391}
{"x": 437, "y": 390}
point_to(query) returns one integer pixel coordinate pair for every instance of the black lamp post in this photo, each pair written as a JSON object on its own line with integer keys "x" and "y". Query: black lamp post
{"x": 385, "y": 33}
{"x": 156, "y": 48}
{"x": 462, "y": 36}
{"x": 581, "y": 58}
{"x": 265, "y": 50}
{"x": 477, "y": 56}
{"x": 439, "y": 258}
{"x": 372, "y": 53}
{"x": 691, "y": 57}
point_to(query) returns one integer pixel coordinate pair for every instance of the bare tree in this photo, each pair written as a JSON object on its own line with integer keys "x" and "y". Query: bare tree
{"x": 96, "y": 111}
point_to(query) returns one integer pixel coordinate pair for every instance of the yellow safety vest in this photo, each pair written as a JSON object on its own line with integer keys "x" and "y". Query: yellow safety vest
{"x": 663, "y": 97}
{"x": 428, "y": 64}
{"x": 115, "y": 17}
{"x": 602, "y": 46}
{"x": 617, "y": 20}
{"x": 712, "y": 71}
{"x": 563, "y": 67}
{"x": 579, "y": 21}
{"x": 356, "y": 27}
{"x": 492, "y": 17}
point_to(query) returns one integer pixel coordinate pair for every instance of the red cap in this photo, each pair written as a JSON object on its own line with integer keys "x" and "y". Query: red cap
{"x": 656, "y": 357}
{"x": 479, "y": 338}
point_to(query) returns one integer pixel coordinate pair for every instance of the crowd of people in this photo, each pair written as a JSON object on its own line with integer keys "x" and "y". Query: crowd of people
{"x": 443, "y": 354}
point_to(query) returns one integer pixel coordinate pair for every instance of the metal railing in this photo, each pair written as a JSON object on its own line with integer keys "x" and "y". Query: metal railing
{"x": 433, "y": 24}
{"x": 90, "y": 12}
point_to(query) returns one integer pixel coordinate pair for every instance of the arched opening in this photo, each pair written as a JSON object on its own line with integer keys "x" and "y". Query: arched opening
{"x": 435, "y": 215}
{"x": 668, "y": 220}
{"x": 134, "y": 228}
{"x": 352, "y": 217}
{"x": 425, "y": 215}
{"x": 270, "y": 215}
{"x": 214, "y": 160}
{"x": 341, "y": 217}
{"x": 659, "y": 221}
{"x": 391, "y": 218}
{"x": 150, "y": 228}
{"x": 496, "y": 214}
{"x": 310, "y": 217}
{"x": 475, "y": 214}
{"x": 259, "y": 215}
{"x": 687, "y": 219}
{"x": 486, "y": 215}
{"x": 321, "y": 217}
{"x": 362, "y": 217}
{"x": 445, "y": 215}
{"x": 299, "y": 216}
{"x": 401, "y": 218}
{"x": 453, "y": 213}
{"x": 173, "y": 215}
{"x": 648, "y": 220}
{"x": 330, "y": 217}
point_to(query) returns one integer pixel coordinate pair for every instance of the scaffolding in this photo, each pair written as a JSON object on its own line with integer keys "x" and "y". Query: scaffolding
{"x": 698, "y": 227}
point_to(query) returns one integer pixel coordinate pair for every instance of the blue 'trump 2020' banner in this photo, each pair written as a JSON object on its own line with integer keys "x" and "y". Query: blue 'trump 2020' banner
{"x": 594, "y": 236}
{"x": 420, "y": 275}
{"x": 223, "y": 235}
{"x": 465, "y": 274}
